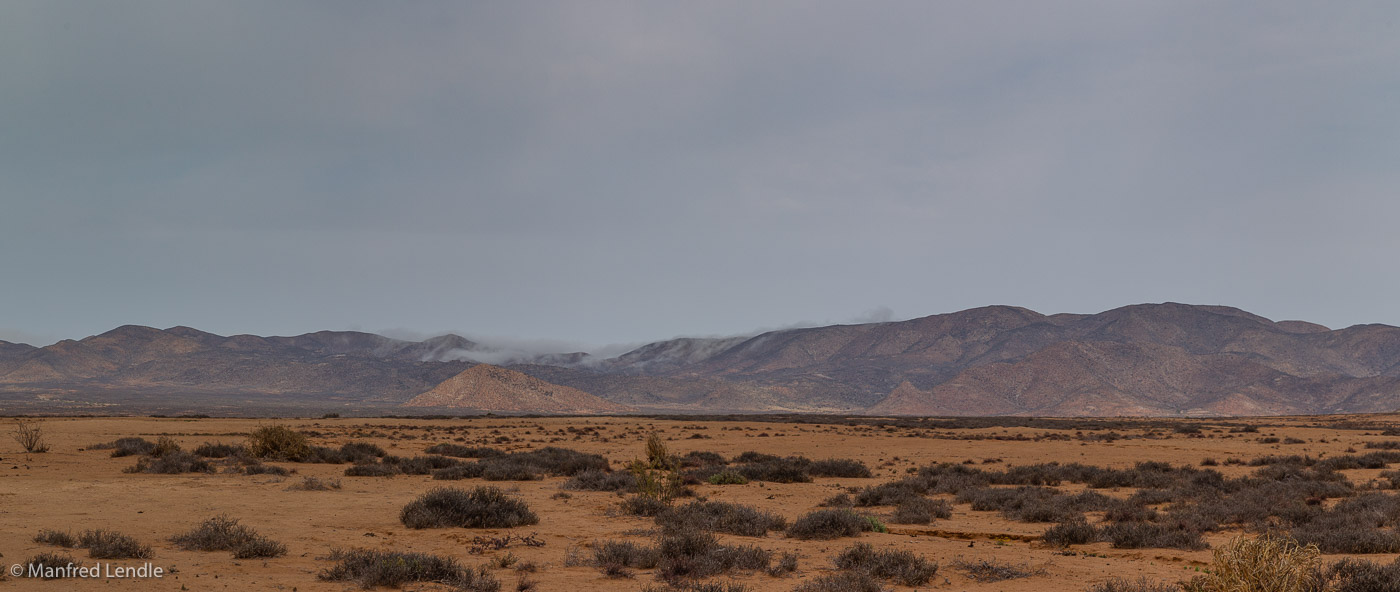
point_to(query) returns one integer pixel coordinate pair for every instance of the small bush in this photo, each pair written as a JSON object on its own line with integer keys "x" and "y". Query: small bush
{"x": 172, "y": 463}
{"x": 222, "y": 533}
{"x": 309, "y": 483}
{"x": 165, "y": 445}
{"x": 30, "y": 436}
{"x": 921, "y": 510}
{"x": 992, "y": 570}
{"x": 482, "y": 507}
{"x": 49, "y": 559}
{"x": 1269, "y": 562}
{"x": 1072, "y": 532}
{"x": 105, "y": 544}
{"x": 56, "y": 538}
{"x": 845, "y": 581}
{"x": 900, "y": 566}
{"x": 394, "y": 569}
{"x": 719, "y": 517}
{"x": 258, "y": 468}
{"x": 1145, "y": 535}
{"x": 614, "y": 558}
{"x": 1141, "y": 584}
{"x": 839, "y": 467}
{"x": 127, "y": 447}
{"x": 1359, "y": 575}
{"x": 829, "y": 524}
{"x": 644, "y": 505}
{"x": 692, "y": 554}
{"x": 727, "y": 477}
{"x": 786, "y": 564}
{"x": 777, "y": 470}
{"x": 595, "y": 480}
{"x": 375, "y": 470}
{"x": 460, "y": 451}
{"x": 361, "y": 452}
{"x": 278, "y": 442}
{"x": 218, "y": 450}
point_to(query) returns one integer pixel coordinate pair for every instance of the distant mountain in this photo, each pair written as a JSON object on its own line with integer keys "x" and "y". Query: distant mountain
{"x": 363, "y": 366}
{"x": 490, "y": 388}
{"x": 1151, "y": 359}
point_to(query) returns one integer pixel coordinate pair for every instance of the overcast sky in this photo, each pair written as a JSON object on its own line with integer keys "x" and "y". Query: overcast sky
{"x": 598, "y": 172}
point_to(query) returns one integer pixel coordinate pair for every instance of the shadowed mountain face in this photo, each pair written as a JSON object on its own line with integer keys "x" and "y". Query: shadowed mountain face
{"x": 1152, "y": 359}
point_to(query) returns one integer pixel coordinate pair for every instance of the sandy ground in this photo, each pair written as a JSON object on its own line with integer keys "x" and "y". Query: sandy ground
{"x": 73, "y": 488}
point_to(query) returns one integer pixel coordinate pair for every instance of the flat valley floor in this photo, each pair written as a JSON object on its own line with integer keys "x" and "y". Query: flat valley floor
{"x": 74, "y": 488}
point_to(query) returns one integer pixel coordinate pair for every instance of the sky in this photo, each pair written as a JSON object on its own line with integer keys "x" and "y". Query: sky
{"x": 576, "y": 174}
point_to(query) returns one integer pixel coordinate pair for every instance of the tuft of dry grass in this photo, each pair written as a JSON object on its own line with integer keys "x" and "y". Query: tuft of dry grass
{"x": 1268, "y": 563}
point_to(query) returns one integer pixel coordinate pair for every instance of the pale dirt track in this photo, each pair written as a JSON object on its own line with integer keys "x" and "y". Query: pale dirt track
{"x": 73, "y": 489}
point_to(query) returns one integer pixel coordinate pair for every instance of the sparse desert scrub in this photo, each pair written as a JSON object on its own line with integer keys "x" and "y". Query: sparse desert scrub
{"x": 127, "y": 447}
{"x": 482, "y": 507}
{"x": 843, "y": 581}
{"x": 222, "y": 533}
{"x": 829, "y": 524}
{"x": 921, "y": 510}
{"x": 693, "y": 554}
{"x": 105, "y": 544}
{"x": 172, "y": 463}
{"x": 1075, "y": 531}
{"x": 370, "y": 569}
{"x": 30, "y": 436}
{"x": 596, "y": 480}
{"x": 839, "y": 467}
{"x": 1269, "y": 562}
{"x": 992, "y": 570}
{"x": 257, "y": 468}
{"x": 376, "y": 470}
{"x": 785, "y": 564}
{"x": 727, "y": 477}
{"x": 1360, "y": 575}
{"x": 641, "y": 505}
{"x": 49, "y": 559}
{"x": 460, "y": 451}
{"x": 309, "y": 483}
{"x": 218, "y": 450}
{"x": 903, "y": 567}
{"x": 616, "y": 559}
{"x": 1141, "y": 584}
{"x": 719, "y": 517}
{"x": 56, "y": 537}
{"x": 1145, "y": 535}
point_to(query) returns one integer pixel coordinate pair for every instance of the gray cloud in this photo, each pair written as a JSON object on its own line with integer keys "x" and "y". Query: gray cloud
{"x": 618, "y": 173}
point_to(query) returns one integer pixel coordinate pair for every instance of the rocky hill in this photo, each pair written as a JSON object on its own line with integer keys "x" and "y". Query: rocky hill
{"x": 490, "y": 388}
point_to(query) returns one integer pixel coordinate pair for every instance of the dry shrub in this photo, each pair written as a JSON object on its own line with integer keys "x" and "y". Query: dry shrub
{"x": 1141, "y": 584}
{"x": 482, "y": 507}
{"x": 1268, "y": 563}
{"x": 30, "y": 436}
{"x": 222, "y": 533}
{"x": 278, "y": 442}
{"x": 393, "y": 569}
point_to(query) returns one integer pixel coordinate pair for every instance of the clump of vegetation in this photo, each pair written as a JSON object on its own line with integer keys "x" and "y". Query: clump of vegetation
{"x": 641, "y": 505}
{"x": 1359, "y": 575}
{"x": 900, "y": 566}
{"x": 616, "y": 559}
{"x": 30, "y": 436}
{"x": 839, "y": 467}
{"x": 257, "y": 468}
{"x": 829, "y": 524}
{"x": 1075, "y": 531}
{"x": 309, "y": 483}
{"x": 658, "y": 475}
{"x": 784, "y": 565}
{"x": 693, "y": 555}
{"x": 222, "y": 533}
{"x": 278, "y": 442}
{"x": 127, "y": 447}
{"x": 460, "y": 451}
{"x": 56, "y": 538}
{"x": 727, "y": 477}
{"x": 1141, "y": 584}
{"x": 596, "y": 480}
{"x": 482, "y": 507}
{"x": 992, "y": 570}
{"x": 375, "y": 470}
{"x": 1144, "y": 535}
{"x": 1269, "y": 562}
{"x": 171, "y": 463}
{"x": 394, "y": 569}
{"x": 218, "y": 450}
{"x": 106, "y": 544}
{"x": 921, "y": 510}
{"x": 842, "y": 581}
{"x": 719, "y": 517}
{"x": 165, "y": 445}
{"x": 49, "y": 559}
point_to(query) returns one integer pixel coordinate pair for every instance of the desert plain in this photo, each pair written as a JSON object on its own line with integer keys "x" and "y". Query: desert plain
{"x": 75, "y": 487}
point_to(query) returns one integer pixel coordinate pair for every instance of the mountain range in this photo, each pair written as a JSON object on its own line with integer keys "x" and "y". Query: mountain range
{"x": 1151, "y": 359}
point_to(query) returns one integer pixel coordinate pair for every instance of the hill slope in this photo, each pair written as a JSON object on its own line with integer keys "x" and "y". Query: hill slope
{"x": 484, "y": 387}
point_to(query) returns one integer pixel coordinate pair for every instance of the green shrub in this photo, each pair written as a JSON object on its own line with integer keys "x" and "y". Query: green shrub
{"x": 727, "y": 477}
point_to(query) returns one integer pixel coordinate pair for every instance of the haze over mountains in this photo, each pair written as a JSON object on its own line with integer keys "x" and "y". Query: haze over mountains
{"x": 1152, "y": 359}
